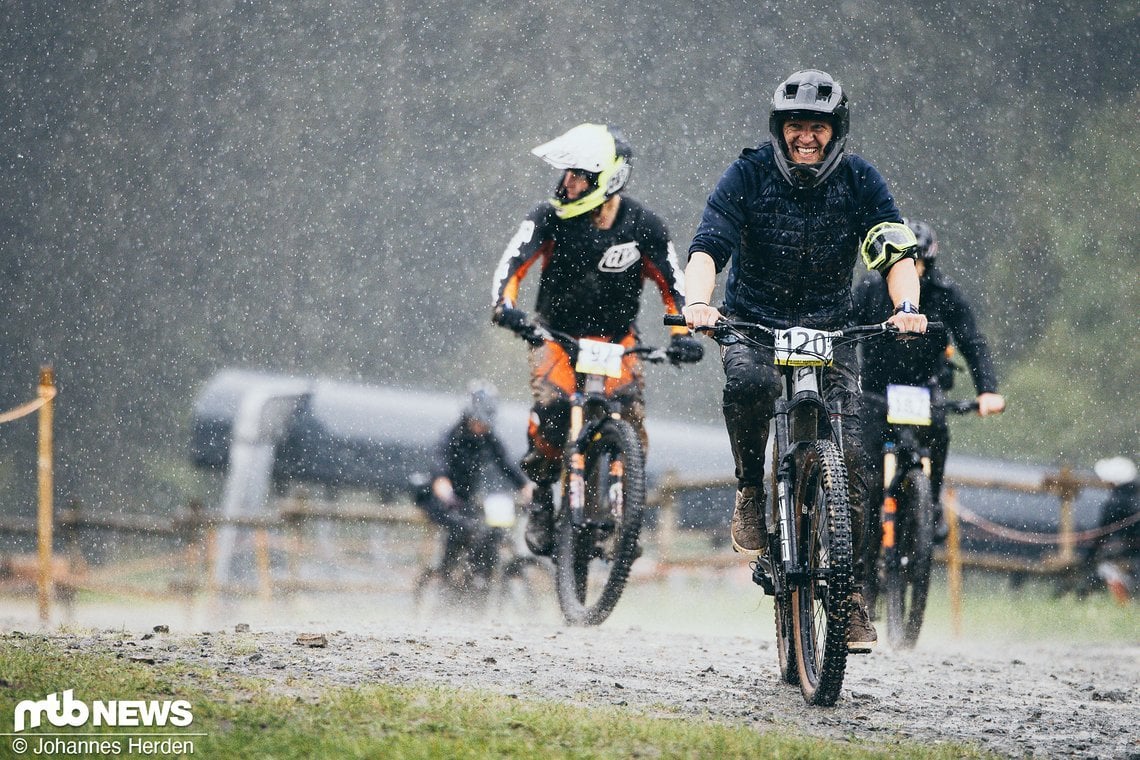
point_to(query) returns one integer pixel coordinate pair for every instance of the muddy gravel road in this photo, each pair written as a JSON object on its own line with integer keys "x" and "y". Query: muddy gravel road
{"x": 1016, "y": 700}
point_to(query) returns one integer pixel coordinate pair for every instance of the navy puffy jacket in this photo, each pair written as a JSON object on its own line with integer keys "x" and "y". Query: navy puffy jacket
{"x": 792, "y": 250}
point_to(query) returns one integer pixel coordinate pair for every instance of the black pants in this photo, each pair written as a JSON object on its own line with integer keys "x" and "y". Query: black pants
{"x": 936, "y": 437}
{"x": 752, "y": 385}
{"x": 464, "y": 528}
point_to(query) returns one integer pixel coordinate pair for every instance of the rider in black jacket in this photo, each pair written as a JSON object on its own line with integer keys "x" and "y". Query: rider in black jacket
{"x": 916, "y": 362}
{"x": 788, "y": 220}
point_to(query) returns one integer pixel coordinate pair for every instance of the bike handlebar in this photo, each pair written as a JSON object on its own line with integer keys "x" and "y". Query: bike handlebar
{"x": 960, "y": 407}
{"x": 536, "y": 335}
{"x": 965, "y": 406}
{"x": 678, "y": 320}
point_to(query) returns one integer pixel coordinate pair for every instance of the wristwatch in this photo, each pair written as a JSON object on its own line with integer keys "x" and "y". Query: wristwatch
{"x": 906, "y": 307}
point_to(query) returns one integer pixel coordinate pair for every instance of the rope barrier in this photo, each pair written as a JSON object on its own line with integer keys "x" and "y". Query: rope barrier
{"x": 23, "y": 410}
{"x": 1027, "y": 537}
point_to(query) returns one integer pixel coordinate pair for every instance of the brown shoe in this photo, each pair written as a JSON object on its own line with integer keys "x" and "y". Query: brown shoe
{"x": 861, "y": 636}
{"x": 747, "y": 523}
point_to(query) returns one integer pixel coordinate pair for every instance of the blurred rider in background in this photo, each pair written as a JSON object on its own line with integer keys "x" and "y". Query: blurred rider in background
{"x": 595, "y": 248}
{"x": 917, "y": 362}
{"x": 1114, "y": 556}
{"x": 461, "y": 456}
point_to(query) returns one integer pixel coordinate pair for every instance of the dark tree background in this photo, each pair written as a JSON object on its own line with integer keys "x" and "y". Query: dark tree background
{"x": 326, "y": 188}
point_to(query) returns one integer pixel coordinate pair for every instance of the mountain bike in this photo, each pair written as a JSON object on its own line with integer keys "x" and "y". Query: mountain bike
{"x": 456, "y": 580}
{"x": 907, "y": 514}
{"x": 809, "y": 564}
{"x": 597, "y": 520}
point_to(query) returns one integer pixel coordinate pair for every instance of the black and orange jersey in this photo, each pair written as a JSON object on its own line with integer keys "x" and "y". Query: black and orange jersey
{"x": 591, "y": 279}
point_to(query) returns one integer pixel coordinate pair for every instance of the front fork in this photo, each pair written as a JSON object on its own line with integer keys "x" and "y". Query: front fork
{"x": 783, "y": 527}
{"x": 575, "y": 468}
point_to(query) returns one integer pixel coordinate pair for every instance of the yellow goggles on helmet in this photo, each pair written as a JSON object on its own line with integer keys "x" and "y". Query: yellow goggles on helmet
{"x": 588, "y": 148}
{"x": 885, "y": 244}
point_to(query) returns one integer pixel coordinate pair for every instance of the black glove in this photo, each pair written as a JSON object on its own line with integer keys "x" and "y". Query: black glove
{"x": 686, "y": 349}
{"x": 513, "y": 319}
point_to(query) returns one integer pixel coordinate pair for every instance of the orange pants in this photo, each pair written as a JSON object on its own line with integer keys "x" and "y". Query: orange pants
{"x": 552, "y": 382}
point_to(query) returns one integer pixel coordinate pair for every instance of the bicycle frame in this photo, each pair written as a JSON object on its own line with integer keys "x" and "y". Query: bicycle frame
{"x": 801, "y": 416}
{"x": 589, "y": 405}
{"x": 907, "y": 450}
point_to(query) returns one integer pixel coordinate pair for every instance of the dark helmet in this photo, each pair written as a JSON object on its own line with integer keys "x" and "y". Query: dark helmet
{"x": 927, "y": 241}
{"x": 482, "y": 403}
{"x": 601, "y": 152}
{"x": 809, "y": 94}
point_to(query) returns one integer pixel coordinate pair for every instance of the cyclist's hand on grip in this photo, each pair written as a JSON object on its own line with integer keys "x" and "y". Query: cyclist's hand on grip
{"x": 990, "y": 403}
{"x": 685, "y": 349}
{"x": 700, "y": 315}
{"x": 511, "y": 318}
{"x": 908, "y": 322}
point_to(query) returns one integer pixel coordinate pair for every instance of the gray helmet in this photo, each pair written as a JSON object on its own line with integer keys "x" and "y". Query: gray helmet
{"x": 927, "y": 241}
{"x": 482, "y": 403}
{"x": 809, "y": 94}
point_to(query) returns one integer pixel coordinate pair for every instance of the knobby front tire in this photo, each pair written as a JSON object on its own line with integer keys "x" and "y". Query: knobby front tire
{"x": 821, "y": 605}
{"x": 907, "y": 580}
{"x": 593, "y": 560}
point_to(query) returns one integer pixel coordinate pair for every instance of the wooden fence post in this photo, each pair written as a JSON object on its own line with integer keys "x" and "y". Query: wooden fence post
{"x": 953, "y": 560}
{"x": 44, "y": 514}
{"x": 666, "y": 519}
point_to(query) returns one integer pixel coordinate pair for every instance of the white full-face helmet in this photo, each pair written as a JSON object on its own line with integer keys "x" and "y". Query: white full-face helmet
{"x": 603, "y": 156}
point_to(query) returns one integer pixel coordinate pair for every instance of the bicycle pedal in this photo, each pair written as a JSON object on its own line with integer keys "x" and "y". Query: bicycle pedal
{"x": 762, "y": 576}
{"x": 860, "y": 648}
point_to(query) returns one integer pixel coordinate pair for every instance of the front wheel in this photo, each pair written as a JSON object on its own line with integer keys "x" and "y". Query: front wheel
{"x": 821, "y": 598}
{"x": 907, "y": 575}
{"x": 593, "y": 559}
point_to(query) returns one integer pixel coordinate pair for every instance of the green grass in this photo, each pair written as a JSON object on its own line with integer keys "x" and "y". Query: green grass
{"x": 1032, "y": 611}
{"x": 245, "y": 718}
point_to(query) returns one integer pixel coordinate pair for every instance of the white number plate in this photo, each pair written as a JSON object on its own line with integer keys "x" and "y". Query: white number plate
{"x": 499, "y": 510}
{"x": 803, "y": 347}
{"x": 597, "y": 357}
{"x": 908, "y": 405}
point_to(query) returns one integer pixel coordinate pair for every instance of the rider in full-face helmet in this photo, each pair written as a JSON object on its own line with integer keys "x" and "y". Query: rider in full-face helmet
{"x": 595, "y": 247}
{"x": 916, "y": 363}
{"x": 787, "y": 219}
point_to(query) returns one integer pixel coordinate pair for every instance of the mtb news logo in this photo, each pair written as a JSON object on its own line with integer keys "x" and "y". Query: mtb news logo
{"x": 69, "y": 711}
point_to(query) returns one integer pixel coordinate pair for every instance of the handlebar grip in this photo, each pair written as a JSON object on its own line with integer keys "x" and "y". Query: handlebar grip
{"x": 936, "y": 326}
{"x": 675, "y": 320}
